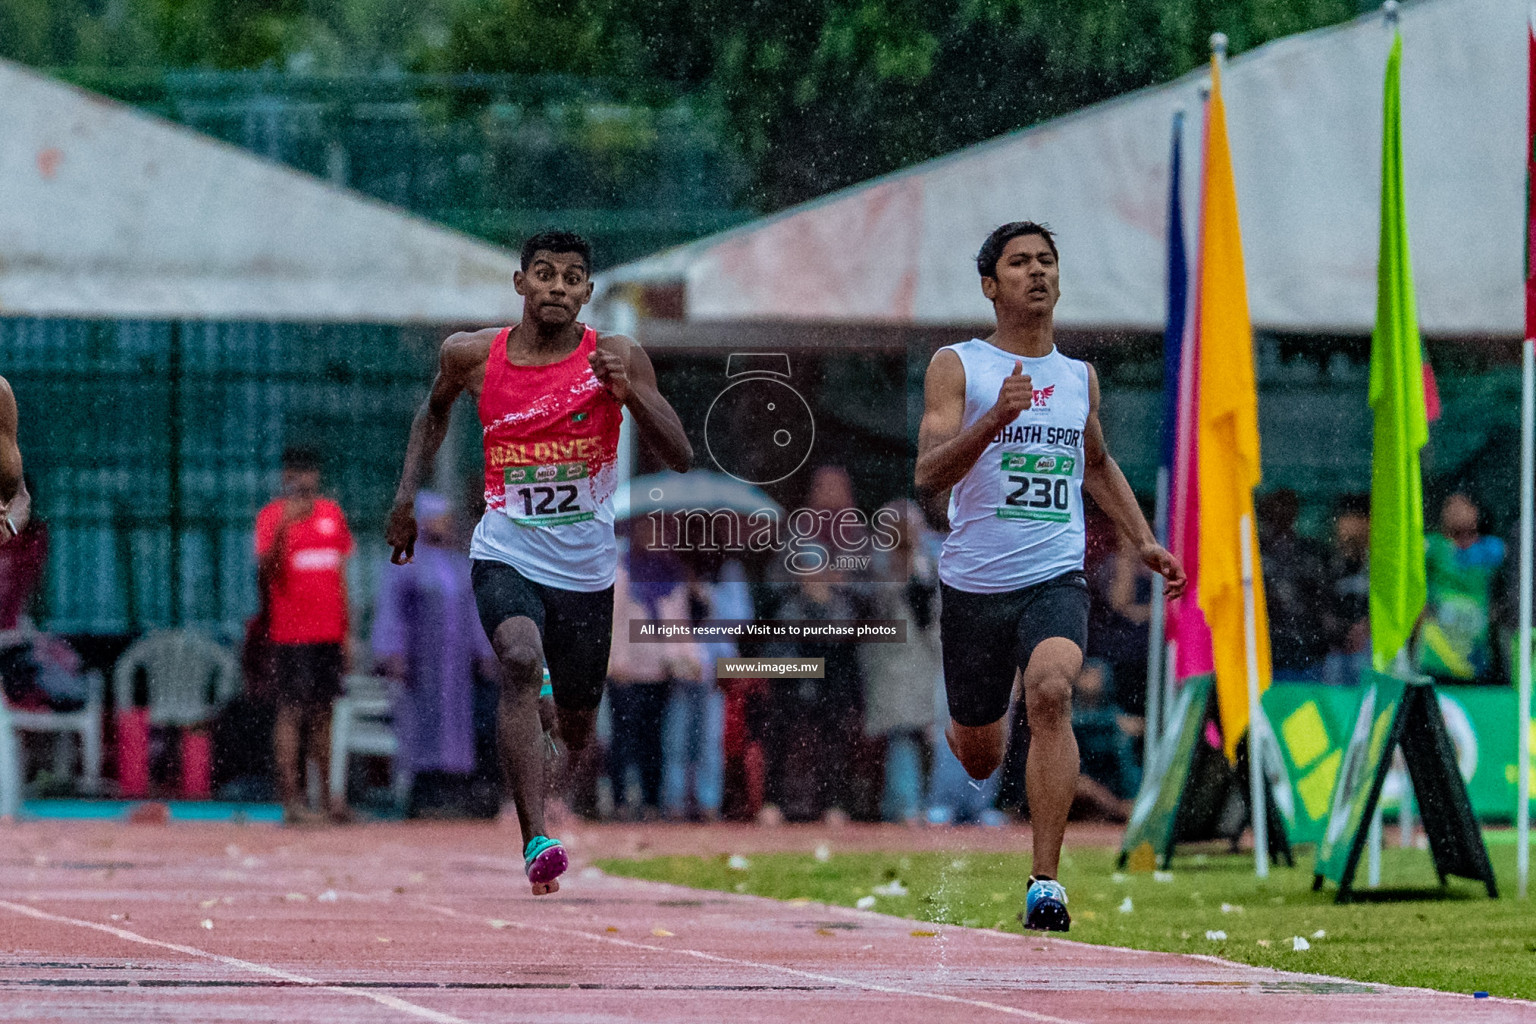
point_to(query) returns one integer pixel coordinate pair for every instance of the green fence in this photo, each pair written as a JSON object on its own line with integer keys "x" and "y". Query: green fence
{"x": 153, "y": 444}
{"x": 495, "y": 155}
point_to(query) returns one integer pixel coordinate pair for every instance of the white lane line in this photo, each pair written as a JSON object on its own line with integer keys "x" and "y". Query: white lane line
{"x": 699, "y": 954}
{"x": 382, "y": 999}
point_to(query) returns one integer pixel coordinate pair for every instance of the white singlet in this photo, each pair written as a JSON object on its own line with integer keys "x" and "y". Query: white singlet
{"x": 1016, "y": 519}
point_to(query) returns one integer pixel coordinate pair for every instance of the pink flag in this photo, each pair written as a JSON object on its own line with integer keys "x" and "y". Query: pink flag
{"x": 1187, "y": 627}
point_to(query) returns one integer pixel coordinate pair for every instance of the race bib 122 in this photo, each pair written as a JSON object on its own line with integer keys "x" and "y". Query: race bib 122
{"x": 553, "y": 494}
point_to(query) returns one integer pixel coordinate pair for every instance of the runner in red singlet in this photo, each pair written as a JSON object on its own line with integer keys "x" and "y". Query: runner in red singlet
{"x": 551, "y": 393}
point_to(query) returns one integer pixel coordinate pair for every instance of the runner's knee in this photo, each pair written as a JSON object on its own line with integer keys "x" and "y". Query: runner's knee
{"x": 520, "y": 653}
{"x": 979, "y": 750}
{"x": 980, "y": 763}
{"x": 1048, "y": 698}
{"x": 522, "y": 666}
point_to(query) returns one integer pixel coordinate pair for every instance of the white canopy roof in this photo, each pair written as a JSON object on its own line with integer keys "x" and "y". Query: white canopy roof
{"x": 109, "y": 212}
{"x": 1304, "y": 115}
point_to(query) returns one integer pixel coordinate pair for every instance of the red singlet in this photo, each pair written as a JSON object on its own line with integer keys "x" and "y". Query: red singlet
{"x": 551, "y": 436}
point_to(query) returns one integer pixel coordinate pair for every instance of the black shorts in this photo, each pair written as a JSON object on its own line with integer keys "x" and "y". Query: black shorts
{"x": 575, "y": 627}
{"x": 986, "y": 637}
{"x": 306, "y": 674}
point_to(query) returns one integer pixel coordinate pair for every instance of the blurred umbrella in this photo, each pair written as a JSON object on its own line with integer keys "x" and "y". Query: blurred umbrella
{"x": 698, "y": 489}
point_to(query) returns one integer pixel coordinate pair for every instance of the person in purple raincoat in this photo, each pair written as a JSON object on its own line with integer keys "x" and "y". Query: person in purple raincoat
{"x": 427, "y": 637}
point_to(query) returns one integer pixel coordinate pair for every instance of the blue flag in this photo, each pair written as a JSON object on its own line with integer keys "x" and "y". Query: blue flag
{"x": 1178, "y": 295}
{"x": 1173, "y": 335}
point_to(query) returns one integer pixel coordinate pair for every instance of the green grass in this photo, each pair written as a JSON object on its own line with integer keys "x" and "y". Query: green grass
{"x": 1410, "y": 933}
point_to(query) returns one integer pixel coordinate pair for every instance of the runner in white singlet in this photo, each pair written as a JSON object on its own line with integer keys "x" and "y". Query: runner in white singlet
{"x": 1011, "y": 429}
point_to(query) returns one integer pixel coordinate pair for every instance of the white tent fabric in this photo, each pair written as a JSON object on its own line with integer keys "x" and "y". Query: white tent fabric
{"x": 1305, "y": 120}
{"x": 108, "y": 212}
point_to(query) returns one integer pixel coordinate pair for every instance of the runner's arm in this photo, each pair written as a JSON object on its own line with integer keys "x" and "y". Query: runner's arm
{"x": 14, "y": 499}
{"x": 428, "y": 429}
{"x": 624, "y": 368}
{"x": 945, "y": 452}
{"x": 1103, "y": 480}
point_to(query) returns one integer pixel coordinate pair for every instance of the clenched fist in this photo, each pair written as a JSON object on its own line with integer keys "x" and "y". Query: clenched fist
{"x": 1016, "y": 395}
{"x": 608, "y": 368}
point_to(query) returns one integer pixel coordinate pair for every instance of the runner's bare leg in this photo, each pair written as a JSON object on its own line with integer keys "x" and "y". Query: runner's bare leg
{"x": 521, "y": 654}
{"x": 1050, "y": 773}
{"x": 979, "y": 748}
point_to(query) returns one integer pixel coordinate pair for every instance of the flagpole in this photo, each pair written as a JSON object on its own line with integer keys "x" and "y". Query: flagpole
{"x": 1258, "y": 809}
{"x": 1527, "y": 504}
{"x": 1405, "y": 814}
{"x": 1402, "y": 668}
{"x": 1373, "y": 855}
{"x": 1155, "y": 639}
{"x": 1170, "y": 670}
{"x": 1523, "y": 719}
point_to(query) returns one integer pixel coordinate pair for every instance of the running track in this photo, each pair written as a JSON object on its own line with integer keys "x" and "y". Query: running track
{"x": 386, "y": 923}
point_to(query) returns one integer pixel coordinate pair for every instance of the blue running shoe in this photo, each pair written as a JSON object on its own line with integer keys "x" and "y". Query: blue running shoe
{"x": 1045, "y": 906}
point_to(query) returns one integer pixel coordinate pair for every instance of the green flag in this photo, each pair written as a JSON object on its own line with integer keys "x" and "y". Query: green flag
{"x": 1397, "y": 401}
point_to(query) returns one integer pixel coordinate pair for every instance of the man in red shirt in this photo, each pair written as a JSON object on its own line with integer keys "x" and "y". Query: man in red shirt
{"x": 302, "y": 545}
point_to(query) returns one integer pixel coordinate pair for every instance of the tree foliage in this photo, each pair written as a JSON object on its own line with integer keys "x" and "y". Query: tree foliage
{"x": 817, "y": 93}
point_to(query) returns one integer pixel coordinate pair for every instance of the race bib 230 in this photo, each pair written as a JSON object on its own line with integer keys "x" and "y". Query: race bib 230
{"x": 1037, "y": 487}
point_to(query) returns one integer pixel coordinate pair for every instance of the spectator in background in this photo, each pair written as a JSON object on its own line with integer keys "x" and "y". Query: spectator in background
{"x": 830, "y": 493}
{"x": 899, "y": 679}
{"x": 1346, "y": 608}
{"x": 812, "y": 723}
{"x": 695, "y": 719}
{"x": 427, "y": 638}
{"x": 1294, "y": 588}
{"x": 1461, "y": 568}
{"x": 302, "y": 546}
{"x": 1118, "y": 632}
{"x": 23, "y": 559}
{"x": 1110, "y": 774}
{"x": 650, "y": 585}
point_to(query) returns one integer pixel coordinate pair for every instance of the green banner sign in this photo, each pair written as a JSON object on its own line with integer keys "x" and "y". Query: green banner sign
{"x": 1149, "y": 836}
{"x": 1370, "y": 742}
{"x": 1313, "y": 723}
{"x": 1396, "y": 714}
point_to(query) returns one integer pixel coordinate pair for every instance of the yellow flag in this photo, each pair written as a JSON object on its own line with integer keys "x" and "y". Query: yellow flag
{"x": 1228, "y": 445}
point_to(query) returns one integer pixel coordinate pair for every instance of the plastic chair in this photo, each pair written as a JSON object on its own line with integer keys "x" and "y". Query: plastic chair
{"x": 362, "y": 723}
{"x": 189, "y": 676}
{"x": 85, "y": 723}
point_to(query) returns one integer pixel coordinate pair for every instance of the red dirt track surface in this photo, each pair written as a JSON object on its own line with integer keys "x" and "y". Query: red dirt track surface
{"x": 433, "y": 922}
